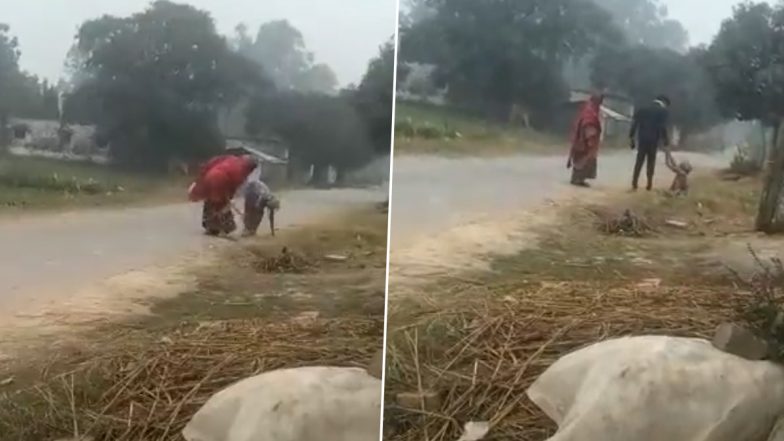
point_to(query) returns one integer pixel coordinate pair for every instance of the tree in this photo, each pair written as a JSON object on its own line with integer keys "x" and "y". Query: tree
{"x": 320, "y": 130}
{"x": 21, "y": 94}
{"x": 642, "y": 23}
{"x": 373, "y": 98}
{"x": 746, "y": 62}
{"x": 154, "y": 81}
{"x": 646, "y": 23}
{"x": 280, "y": 50}
{"x": 496, "y": 53}
{"x": 642, "y": 72}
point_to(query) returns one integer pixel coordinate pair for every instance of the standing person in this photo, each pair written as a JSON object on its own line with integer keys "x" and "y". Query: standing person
{"x": 648, "y": 133}
{"x": 586, "y": 137}
{"x": 218, "y": 181}
{"x": 258, "y": 197}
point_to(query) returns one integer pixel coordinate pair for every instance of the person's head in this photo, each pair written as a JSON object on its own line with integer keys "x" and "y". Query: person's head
{"x": 685, "y": 167}
{"x": 664, "y": 100}
{"x": 596, "y": 99}
{"x": 250, "y": 163}
{"x": 273, "y": 203}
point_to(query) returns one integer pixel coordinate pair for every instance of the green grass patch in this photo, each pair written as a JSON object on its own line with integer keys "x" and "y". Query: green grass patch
{"x": 429, "y": 129}
{"x": 34, "y": 183}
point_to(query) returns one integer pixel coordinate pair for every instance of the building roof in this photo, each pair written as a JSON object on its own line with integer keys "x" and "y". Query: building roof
{"x": 253, "y": 149}
{"x": 614, "y": 115}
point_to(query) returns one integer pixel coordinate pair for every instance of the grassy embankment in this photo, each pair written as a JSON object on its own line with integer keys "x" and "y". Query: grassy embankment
{"x": 311, "y": 296}
{"x": 44, "y": 184}
{"x": 428, "y": 129}
{"x": 481, "y": 338}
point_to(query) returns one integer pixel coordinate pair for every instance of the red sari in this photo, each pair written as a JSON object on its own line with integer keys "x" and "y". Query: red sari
{"x": 219, "y": 179}
{"x": 586, "y": 137}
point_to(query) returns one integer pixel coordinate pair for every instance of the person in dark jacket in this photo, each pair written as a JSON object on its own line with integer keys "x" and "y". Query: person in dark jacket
{"x": 648, "y": 133}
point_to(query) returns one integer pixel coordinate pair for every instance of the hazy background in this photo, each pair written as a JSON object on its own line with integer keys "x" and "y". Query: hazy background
{"x": 701, "y": 18}
{"x": 344, "y": 34}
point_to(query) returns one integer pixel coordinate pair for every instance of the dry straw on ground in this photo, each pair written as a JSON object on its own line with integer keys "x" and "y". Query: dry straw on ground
{"x": 483, "y": 357}
{"x": 287, "y": 261}
{"x": 149, "y": 392}
{"x": 626, "y": 223}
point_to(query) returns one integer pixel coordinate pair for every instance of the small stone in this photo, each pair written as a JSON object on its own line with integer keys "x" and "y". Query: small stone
{"x": 307, "y": 316}
{"x": 649, "y": 284}
{"x": 413, "y": 400}
{"x": 475, "y": 431}
{"x": 336, "y": 258}
{"x": 736, "y": 340}
{"x": 676, "y": 223}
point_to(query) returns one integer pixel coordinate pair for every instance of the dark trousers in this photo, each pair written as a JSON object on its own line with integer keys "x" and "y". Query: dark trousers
{"x": 645, "y": 155}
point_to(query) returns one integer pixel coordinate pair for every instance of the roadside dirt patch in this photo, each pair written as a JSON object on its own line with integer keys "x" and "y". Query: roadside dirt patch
{"x": 477, "y": 338}
{"x": 140, "y": 374}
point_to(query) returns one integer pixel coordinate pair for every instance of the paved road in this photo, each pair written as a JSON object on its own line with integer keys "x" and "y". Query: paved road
{"x": 46, "y": 256}
{"x": 433, "y": 194}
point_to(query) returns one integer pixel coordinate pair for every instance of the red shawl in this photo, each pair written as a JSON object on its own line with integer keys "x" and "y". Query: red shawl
{"x": 585, "y": 145}
{"x": 220, "y": 178}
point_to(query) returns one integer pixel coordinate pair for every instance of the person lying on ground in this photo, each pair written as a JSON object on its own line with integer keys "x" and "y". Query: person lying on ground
{"x": 680, "y": 184}
{"x": 258, "y": 198}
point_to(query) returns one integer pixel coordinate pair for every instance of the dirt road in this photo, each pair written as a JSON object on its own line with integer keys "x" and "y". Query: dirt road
{"x": 446, "y": 210}
{"x": 47, "y": 257}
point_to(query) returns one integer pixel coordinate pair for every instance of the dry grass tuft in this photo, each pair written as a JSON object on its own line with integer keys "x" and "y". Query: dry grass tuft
{"x": 483, "y": 357}
{"x": 626, "y": 223}
{"x": 149, "y": 391}
{"x": 286, "y": 262}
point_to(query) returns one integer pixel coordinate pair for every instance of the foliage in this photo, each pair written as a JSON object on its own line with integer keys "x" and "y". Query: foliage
{"x": 495, "y": 53}
{"x": 642, "y": 72}
{"x": 646, "y": 23}
{"x": 746, "y": 63}
{"x": 154, "y": 81}
{"x": 743, "y": 164}
{"x": 279, "y": 48}
{"x": 373, "y": 98}
{"x": 21, "y": 94}
{"x": 320, "y": 130}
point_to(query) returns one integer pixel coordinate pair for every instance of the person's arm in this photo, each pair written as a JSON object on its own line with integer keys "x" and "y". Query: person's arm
{"x": 665, "y": 137}
{"x": 670, "y": 162}
{"x": 633, "y": 129}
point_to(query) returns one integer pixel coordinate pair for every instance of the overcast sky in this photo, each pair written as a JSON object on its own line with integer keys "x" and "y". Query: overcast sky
{"x": 345, "y": 34}
{"x": 702, "y": 18}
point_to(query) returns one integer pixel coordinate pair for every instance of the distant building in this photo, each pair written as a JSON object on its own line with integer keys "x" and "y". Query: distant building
{"x": 47, "y": 138}
{"x": 272, "y": 169}
{"x": 616, "y": 113}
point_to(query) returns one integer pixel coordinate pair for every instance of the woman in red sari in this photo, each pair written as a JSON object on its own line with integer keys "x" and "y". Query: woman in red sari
{"x": 586, "y": 138}
{"x": 218, "y": 182}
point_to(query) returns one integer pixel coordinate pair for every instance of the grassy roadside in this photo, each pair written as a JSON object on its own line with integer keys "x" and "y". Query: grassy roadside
{"x": 43, "y": 184}
{"x": 484, "y": 337}
{"x": 257, "y": 308}
{"x": 426, "y": 129}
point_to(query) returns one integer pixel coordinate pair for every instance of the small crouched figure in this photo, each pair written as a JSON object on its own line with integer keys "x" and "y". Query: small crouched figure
{"x": 680, "y": 183}
{"x": 258, "y": 198}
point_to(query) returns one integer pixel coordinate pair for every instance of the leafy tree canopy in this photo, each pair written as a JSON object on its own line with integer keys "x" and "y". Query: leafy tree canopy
{"x": 495, "y": 53}
{"x": 279, "y": 48}
{"x": 746, "y": 63}
{"x": 154, "y": 81}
